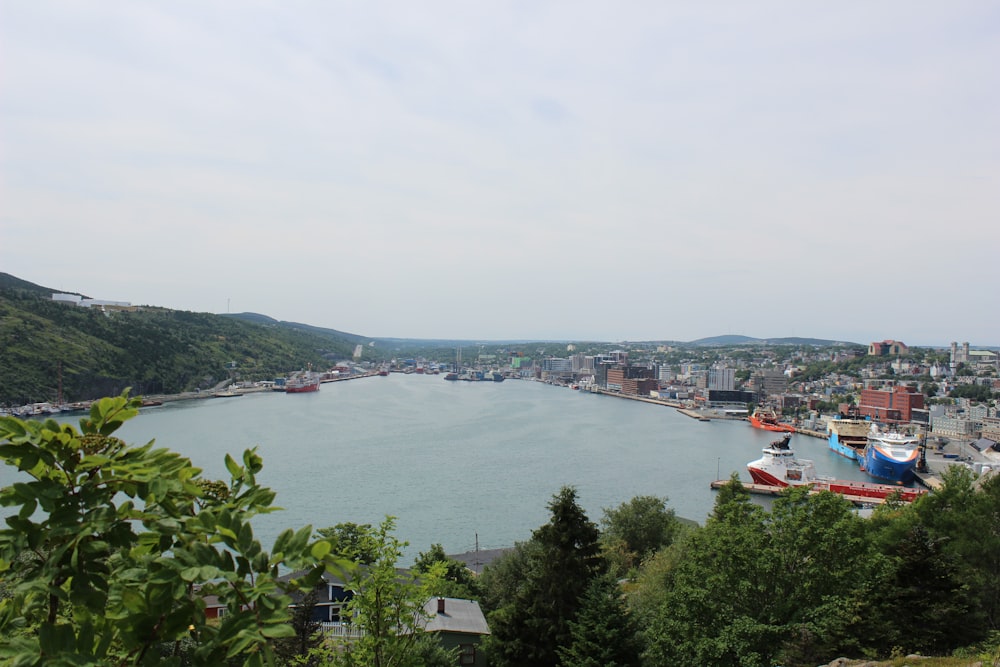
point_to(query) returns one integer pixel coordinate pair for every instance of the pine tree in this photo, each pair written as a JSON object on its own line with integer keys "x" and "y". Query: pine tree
{"x": 532, "y": 622}
{"x": 603, "y": 633}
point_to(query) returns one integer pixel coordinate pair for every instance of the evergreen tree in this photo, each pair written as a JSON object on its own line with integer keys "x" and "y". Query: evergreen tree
{"x": 532, "y": 621}
{"x": 603, "y": 633}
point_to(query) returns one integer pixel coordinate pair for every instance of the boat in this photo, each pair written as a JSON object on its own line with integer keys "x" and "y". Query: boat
{"x": 890, "y": 455}
{"x": 497, "y": 376}
{"x": 848, "y": 436}
{"x": 301, "y": 383}
{"x": 779, "y": 468}
{"x": 451, "y": 376}
{"x": 766, "y": 419}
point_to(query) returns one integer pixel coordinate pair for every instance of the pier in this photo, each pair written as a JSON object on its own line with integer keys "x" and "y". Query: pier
{"x": 767, "y": 490}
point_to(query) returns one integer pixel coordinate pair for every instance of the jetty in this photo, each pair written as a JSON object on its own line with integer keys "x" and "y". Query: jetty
{"x": 768, "y": 490}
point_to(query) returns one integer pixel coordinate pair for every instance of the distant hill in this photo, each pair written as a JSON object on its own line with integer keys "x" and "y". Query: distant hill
{"x": 9, "y": 282}
{"x": 720, "y": 341}
{"x": 322, "y": 331}
{"x": 48, "y": 349}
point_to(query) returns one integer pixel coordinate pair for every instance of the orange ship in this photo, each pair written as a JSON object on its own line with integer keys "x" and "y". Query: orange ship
{"x": 766, "y": 419}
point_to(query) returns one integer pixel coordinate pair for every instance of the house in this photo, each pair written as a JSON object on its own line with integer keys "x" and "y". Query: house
{"x": 458, "y": 624}
{"x": 331, "y": 597}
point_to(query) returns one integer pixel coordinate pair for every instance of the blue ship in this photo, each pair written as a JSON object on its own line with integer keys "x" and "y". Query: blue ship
{"x": 849, "y": 436}
{"x": 891, "y": 456}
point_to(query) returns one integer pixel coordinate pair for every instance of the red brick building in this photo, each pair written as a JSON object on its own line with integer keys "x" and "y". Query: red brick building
{"x": 890, "y": 405}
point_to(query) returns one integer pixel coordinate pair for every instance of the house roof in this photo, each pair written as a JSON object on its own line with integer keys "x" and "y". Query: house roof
{"x": 463, "y": 616}
{"x": 477, "y": 560}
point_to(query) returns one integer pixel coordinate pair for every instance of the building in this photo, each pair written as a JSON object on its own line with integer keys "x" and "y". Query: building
{"x": 769, "y": 382}
{"x": 893, "y": 405}
{"x": 886, "y": 348}
{"x": 457, "y": 624}
{"x": 99, "y": 304}
{"x": 721, "y": 378}
{"x": 624, "y": 379}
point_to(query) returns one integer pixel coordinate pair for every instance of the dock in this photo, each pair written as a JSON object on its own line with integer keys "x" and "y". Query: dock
{"x": 767, "y": 490}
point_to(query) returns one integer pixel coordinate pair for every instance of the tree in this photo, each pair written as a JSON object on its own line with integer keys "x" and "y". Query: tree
{"x": 635, "y": 530}
{"x": 388, "y": 606}
{"x": 125, "y": 542}
{"x": 353, "y": 541}
{"x": 603, "y": 634}
{"x": 307, "y": 634}
{"x": 458, "y": 581}
{"x": 752, "y": 585}
{"x": 530, "y": 624}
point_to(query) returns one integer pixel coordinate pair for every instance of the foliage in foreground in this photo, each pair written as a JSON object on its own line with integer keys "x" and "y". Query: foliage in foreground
{"x": 111, "y": 550}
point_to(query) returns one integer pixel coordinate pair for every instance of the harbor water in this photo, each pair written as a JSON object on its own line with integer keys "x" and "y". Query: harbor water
{"x": 458, "y": 462}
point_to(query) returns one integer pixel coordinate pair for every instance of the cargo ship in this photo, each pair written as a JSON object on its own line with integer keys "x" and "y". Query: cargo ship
{"x": 766, "y": 419}
{"x": 848, "y": 436}
{"x": 778, "y": 467}
{"x": 890, "y": 455}
{"x": 301, "y": 383}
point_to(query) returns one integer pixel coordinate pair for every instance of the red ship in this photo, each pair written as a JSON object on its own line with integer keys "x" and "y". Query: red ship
{"x": 302, "y": 383}
{"x": 766, "y": 419}
{"x": 779, "y": 468}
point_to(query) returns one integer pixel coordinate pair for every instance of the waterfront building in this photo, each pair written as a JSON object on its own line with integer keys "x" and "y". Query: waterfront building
{"x": 722, "y": 378}
{"x": 893, "y": 405}
{"x": 953, "y": 426}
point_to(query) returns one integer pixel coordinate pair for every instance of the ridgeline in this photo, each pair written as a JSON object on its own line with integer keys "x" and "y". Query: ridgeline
{"x": 52, "y": 351}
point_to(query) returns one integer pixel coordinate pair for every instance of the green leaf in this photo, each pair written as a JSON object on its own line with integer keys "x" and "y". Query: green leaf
{"x": 320, "y": 549}
{"x": 234, "y": 468}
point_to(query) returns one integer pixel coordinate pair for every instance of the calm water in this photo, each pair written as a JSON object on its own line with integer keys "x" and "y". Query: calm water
{"x": 455, "y": 459}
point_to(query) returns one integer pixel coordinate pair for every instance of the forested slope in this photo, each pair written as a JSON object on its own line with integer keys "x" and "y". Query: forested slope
{"x": 90, "y": 353}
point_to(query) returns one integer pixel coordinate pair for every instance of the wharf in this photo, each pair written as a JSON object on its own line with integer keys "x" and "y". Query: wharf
{"x": 767, "y": 490}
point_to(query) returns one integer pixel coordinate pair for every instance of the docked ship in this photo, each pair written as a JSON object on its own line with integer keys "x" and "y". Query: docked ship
{"x": 301, "y": 383}
{"x": 848, "y": 436}
{"x": 891, "y": 455}
{"x": 779, "y": 468}
{"x": 766, "y": 419}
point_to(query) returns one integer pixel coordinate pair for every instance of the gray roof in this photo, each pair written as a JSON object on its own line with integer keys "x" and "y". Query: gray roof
{"x": 462, "y": 616}
{"x": 477, "y": 560}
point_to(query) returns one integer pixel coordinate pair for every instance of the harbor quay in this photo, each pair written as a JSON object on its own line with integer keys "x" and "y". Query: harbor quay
{"x": 937, "y": 459}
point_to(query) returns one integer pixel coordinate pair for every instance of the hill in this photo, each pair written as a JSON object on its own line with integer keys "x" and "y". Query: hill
{"x": 49, "y": 348}
{"x": 731, "y": 339}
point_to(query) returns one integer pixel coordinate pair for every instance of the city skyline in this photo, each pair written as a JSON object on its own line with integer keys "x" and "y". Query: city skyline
{"x": 559, "y": 171}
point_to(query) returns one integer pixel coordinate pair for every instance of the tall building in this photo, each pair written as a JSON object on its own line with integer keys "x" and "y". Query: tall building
{"x": 769, "y": 382}
{"x": 721, "y": 378}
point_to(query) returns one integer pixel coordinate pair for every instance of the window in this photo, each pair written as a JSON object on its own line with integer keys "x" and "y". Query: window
{"x": 467, "y": 654}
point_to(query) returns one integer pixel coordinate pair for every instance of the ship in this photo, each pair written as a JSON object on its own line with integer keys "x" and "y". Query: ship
{"x": 766, "y": 419}
{"x": 301, "y": 383}
{"x": 848, "y": 436}
{"x": 778, "y": 467}
{"x": 890, "y": 455}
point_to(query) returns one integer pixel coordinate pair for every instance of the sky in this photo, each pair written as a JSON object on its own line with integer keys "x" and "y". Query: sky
{"x": 609, "y": 171}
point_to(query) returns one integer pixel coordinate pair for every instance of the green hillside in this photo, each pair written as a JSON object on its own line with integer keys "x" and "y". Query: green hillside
{"x": 153, "y": 350}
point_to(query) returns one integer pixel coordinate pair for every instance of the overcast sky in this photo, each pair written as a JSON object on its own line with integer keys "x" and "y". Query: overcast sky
{"x": 610, "y": 171}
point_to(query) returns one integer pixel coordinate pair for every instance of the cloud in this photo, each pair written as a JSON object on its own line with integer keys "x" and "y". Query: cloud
{"x": 506, "y": 170}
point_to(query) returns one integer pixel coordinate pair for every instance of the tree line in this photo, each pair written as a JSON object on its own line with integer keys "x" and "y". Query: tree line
{"x": 110, "y": 551}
